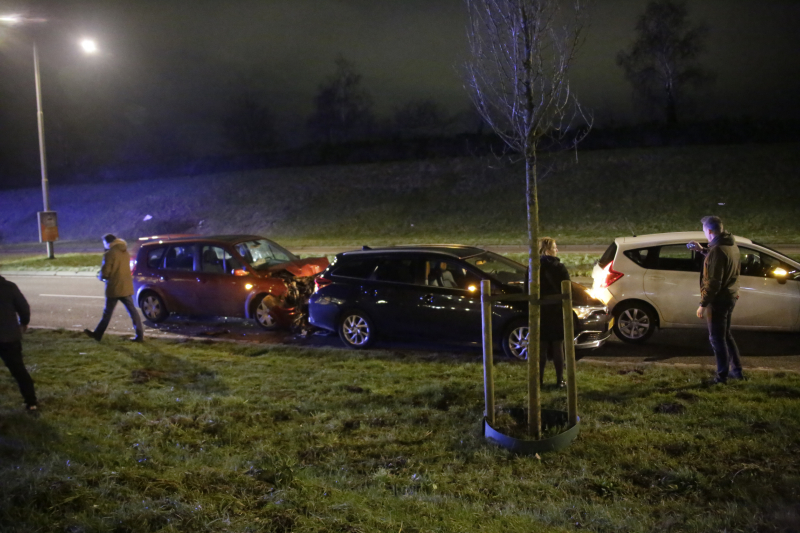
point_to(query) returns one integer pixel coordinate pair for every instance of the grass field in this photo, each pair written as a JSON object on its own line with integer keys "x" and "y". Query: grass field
{"x": 190, "y": 437}
{"x": 606, "y": 194}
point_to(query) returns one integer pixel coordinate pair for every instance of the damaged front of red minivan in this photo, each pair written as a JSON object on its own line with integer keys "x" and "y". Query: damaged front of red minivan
{"x": 245, "y": 276}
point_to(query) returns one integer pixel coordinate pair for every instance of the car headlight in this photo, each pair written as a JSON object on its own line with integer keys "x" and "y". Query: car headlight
{"x": 586, "y": 311}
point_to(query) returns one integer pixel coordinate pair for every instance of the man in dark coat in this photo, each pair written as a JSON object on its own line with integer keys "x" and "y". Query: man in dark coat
{"x": 551, "y": 274}
{"x": 15, "y": 314}
{"x": 719, "y": 291}
{"x": 116, "y": 272}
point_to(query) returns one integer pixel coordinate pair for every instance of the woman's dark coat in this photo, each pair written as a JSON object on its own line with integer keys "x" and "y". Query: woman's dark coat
{"x": 551, "y": 275}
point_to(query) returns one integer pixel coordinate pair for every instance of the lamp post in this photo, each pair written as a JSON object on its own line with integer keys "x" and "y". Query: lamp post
{"x": 42, "y": 150}
{"x": 48, "y": 227}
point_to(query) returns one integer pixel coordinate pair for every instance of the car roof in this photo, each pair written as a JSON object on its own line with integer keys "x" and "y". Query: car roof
{"x": 457, "y": 251}
{"x": 223, "y": 239}
{"x": 670, "y": 238}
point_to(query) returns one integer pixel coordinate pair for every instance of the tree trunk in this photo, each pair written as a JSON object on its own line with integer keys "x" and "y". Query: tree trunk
{"x": 672, "y": 108}
{"x": 534, "y": 389}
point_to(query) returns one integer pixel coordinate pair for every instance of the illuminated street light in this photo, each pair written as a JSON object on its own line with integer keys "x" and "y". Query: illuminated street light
{"x": 89, "y": 46}
{"x": 47, "y": 219}
{"x": 11, "y": 20}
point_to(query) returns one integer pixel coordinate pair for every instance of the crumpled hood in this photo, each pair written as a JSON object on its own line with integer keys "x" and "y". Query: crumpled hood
{"x": 302, "y": 267}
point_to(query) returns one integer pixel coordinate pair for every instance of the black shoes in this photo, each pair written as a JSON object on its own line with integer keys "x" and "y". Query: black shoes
{"x": 91, "y": 334}
{"x": 136, "y": 339}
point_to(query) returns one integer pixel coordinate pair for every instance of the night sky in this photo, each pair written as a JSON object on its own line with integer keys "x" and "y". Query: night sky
{"x": 173, "y": 66}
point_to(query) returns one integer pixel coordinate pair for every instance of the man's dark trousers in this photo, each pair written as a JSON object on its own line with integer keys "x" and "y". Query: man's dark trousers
{"x": 719, "y": 333}
{"x": 111, "y": 303}
{"x": 11, "y": 353}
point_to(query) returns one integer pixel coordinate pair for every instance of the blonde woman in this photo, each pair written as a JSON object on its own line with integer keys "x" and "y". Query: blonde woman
{"x": 551, "y": 275}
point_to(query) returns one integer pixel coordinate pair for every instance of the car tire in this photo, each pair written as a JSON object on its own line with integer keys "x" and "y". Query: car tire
{"x": 262, "y": 314}
{"x": 153, "y": 307}
{"x": 515, "y": 340}
{"x": 634, "y": 322}
{"x": 356, "y": 330}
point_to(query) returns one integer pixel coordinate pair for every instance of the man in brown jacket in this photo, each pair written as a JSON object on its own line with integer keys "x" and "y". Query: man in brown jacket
{"x": 719, "y": 291}
{"x": 15, "y": 314}
{"x": 116, "y": 272}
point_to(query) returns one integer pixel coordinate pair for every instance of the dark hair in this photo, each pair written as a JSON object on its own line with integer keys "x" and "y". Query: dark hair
{"x": 712, "y": 223}
{"x": 109, "y": 238}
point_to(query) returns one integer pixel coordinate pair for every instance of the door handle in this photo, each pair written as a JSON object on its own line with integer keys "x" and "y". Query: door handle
{"x": 657, "y": 278}
{"x": 428, "y": 298}
{"x": 199, "y": 280}
{"x": 163, "y": 278}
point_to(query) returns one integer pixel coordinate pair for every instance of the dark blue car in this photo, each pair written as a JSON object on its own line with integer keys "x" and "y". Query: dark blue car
{"x": 434, "y": 292}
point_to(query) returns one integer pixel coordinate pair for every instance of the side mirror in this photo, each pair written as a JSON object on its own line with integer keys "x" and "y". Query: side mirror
{"x": 780, "y": 274}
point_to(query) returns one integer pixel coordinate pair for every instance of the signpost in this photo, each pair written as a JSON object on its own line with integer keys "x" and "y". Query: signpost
{"x": 48, "y": 227}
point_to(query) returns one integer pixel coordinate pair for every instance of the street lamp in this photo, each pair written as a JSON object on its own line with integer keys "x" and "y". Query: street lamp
{"x": 48, "y": 226}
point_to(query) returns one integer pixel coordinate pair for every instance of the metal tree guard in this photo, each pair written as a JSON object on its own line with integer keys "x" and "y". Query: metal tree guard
{"x": 572, "y": 419}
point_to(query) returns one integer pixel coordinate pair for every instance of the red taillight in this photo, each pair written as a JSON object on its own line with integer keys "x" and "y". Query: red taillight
{"x": 321, "y": 282}
{"x": 611, "y": 276}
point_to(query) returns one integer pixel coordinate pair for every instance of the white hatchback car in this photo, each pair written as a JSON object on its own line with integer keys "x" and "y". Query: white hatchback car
{"x": 653, "y": 281}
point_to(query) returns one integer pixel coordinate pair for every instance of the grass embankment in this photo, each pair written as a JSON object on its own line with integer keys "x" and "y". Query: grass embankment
{"x": 61, "y": 262}
{"x": 607, "y": 194}
{"x": 171, "y": 436}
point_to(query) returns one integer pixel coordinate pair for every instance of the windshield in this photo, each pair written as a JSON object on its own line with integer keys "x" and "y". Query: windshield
{"x": 263, "y": 253}
{"x": 502, "y": 269}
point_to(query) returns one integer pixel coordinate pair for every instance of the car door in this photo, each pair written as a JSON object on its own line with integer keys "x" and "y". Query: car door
{"x": 448, "y": 301}
{"x": 672, "y": 283}
{"x": 766, "y": 300}
{"x": 177, "y": 280}
{"x": 219, "y": 292}
{"x": 388, "y": 295}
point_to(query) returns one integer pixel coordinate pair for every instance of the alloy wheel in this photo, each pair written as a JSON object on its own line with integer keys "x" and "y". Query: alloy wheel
{"x": 356, "y": 330}
{"x": 518, "y": 342}
{"x": 634, "y": 323}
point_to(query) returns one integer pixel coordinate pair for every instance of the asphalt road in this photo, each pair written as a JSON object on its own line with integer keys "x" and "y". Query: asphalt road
{"x": 75, "y": 303}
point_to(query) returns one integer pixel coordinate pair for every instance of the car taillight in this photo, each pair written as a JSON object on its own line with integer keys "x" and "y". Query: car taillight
{"x": 611, "y": 276}
{"x": 321, "y": 282}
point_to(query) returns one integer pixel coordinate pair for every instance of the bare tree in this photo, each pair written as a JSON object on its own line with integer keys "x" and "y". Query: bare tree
{"x": 342, "y": 107}
{"x": 661, "y": 63}
{"x": 518, "y": 76}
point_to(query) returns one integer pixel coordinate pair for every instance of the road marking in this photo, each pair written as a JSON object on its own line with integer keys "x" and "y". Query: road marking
{"x": 73, "y": 296}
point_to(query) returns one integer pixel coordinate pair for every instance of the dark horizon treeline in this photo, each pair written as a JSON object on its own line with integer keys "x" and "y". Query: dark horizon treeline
{"x": 386, "y": 148}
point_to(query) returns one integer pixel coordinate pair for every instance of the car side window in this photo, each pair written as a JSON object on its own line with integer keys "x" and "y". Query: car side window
{"x": 450, "y": 274}
{"x": 759, "y": 264}
{"x": 180, "y": 257}
{"x": 677, "y": 257}
{"x": 359, "y": 268}
{"x": 212, "y": 260}
{"x": 396, "y": 269}
{"x": 638, "y": 256}
{"x": 155, "y": 257}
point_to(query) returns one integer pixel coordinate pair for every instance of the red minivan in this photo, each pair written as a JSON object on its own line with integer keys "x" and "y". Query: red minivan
{"x": 243, "y": 276}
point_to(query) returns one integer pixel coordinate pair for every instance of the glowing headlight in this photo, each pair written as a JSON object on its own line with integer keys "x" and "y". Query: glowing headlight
{"x": 584, "y": 312}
